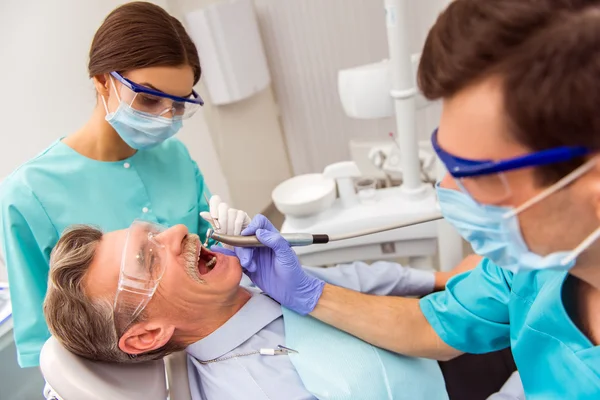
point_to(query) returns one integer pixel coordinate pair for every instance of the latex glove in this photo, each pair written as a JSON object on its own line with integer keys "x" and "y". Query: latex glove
{"x": 230, "y": 220}
{"x": 276, "y": 268}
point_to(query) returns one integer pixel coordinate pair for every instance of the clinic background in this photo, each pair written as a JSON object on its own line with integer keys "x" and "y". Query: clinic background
{"x": 294, "y": 126}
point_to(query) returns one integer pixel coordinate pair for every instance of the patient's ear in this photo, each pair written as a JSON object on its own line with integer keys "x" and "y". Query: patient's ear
{"x": 145, "y": 336}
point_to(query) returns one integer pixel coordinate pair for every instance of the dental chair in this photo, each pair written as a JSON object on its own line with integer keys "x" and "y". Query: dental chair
{"x": 70, "y": 377}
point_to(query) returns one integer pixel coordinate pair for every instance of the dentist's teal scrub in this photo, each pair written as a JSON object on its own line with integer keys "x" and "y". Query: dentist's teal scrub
{"x": 61, "y": 187}
{"x": 532, "y": 312}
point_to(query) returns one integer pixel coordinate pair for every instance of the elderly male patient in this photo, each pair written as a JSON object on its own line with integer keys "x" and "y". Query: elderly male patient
{"x": 141, "y": 293}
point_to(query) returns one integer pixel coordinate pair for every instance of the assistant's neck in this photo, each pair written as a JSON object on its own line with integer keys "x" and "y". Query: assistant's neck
{"x": 98, "y": 140}
{"x": 587, "y": 269}
{"x": 586, "y": 300}
{"x": 208, "y": 321}
{"x": 587, "y": 293}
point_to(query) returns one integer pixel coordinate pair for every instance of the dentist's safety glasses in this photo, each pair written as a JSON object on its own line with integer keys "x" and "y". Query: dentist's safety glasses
{"x": 142, "y": 268}
{"x": 484, "y": 180}
{"x": 153, "y": 103}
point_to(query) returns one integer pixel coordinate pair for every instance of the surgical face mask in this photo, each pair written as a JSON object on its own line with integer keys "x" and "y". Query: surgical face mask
{"x": 494, "y": 232}
{"x": 140, "y": 131}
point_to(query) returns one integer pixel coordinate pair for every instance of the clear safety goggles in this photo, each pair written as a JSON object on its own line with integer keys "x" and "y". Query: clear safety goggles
{"x": 484, "y": 180}
{"x": 142, "y": 268}
{"x": 153, "y": 103}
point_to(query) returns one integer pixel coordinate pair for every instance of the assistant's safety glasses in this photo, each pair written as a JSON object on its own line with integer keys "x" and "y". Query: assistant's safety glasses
{"x": 142, "y": 268}
{"x": 484, "y": 180}
{"x": 154, "y": 103}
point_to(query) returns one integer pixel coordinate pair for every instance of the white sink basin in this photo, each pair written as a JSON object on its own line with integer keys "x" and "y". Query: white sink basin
{"x": 304, "y": 195}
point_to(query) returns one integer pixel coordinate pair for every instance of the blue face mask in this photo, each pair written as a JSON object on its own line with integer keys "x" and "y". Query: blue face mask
{"x": 139, "y": 131}
{"x": 494, "y": 232}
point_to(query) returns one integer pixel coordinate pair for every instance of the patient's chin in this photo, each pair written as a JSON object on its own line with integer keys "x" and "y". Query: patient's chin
{"x": 234, "y": 273}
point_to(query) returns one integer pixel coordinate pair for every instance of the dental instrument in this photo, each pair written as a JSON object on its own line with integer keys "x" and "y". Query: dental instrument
{"x": 215, "y": 220}
{"x": 306, "y": 239}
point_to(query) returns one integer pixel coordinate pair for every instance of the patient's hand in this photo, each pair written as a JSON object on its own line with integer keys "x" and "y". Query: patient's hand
{"x": 467, "y": 264}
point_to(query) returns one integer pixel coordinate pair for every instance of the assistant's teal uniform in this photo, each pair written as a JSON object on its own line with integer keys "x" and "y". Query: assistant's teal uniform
{"x": 61, "y": 187}
{"x": 532, "y": 312}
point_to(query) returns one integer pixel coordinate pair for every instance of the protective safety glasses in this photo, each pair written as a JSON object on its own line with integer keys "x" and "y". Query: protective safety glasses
{"x": 142, "y": 268}
{"x": 484, "y": 180}
{"x": 153, "y": 103}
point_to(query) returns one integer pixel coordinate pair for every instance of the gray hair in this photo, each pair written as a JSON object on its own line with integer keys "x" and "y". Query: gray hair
{"x": 85, "y": 326}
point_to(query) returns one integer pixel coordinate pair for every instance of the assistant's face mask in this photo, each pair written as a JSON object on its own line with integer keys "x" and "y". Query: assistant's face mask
{"x": 494, "y": 231}
{"x": 140, "y": 131}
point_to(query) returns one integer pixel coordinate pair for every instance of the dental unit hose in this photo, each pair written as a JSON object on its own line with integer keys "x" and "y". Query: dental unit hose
{"x": 306, "y": 239}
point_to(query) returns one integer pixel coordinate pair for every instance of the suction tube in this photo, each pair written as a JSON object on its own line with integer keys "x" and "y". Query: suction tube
{"x": 307, "y": 239}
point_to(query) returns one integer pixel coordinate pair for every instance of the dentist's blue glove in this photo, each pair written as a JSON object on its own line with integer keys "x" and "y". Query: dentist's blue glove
{"x": 276, "y": 268}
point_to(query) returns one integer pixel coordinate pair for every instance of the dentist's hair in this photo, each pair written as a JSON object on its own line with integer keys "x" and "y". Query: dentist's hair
{"x": 546, "y": 54}
{"x": 140, "y": 35}
{"x": 83, "y": 325}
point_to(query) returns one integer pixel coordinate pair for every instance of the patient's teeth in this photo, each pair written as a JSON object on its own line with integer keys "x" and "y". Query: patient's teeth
{"x": 212, "y": 262}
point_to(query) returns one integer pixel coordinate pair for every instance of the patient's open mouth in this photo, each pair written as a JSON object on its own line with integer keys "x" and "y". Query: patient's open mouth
{"x": 199, "y": 262}
{"x": 206, "y": 261}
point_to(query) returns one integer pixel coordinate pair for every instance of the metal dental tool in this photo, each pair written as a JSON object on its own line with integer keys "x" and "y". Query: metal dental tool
{"x": 306, "y": 239}
{"x": 215, "y": 220}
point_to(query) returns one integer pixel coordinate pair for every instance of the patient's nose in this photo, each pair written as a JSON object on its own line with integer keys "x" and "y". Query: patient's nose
{"x": 172, "y": 238}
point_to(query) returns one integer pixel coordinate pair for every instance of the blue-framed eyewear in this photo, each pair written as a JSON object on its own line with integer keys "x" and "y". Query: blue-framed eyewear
{"x": 461, "y": 168}
{"x": 484, "y": 181}
{"x": 155, "y": 103}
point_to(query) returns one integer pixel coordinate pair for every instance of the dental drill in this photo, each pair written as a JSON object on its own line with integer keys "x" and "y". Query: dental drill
{"x": 306, "y": 239}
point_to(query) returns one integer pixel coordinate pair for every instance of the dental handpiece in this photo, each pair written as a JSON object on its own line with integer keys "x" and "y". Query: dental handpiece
{"x": 294, "y": 239}
{"x": 306, "y": 239}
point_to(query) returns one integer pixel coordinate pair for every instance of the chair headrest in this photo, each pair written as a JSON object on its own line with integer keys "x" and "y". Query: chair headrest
{"x": 73, "y": 377}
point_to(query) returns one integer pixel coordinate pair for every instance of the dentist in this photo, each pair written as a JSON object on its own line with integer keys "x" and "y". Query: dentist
{"x": 121, "y": 165}
{"x": 520, "y": 137}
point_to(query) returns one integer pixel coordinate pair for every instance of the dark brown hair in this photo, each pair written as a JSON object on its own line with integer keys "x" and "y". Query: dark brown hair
{"x": 552, "y": 88}
{"x": 140, "y": 35}
{"x": 547, "y": 53}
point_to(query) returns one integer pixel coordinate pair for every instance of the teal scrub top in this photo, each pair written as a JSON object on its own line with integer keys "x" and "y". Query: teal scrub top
{"x": 490, "y": 309}
{"x": 61, "y": 187}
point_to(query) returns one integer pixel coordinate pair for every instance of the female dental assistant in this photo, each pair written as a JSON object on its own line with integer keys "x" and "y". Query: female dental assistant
{"x": 123, "y": 164}
{"x": 519, "y": 136}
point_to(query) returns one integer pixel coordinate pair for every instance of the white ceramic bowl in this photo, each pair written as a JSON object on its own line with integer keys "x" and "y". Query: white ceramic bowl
{"x": 304, "y": 195}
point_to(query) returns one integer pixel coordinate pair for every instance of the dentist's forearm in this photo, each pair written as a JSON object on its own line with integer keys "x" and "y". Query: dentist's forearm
{"x": 468, "y": 263}
{"x": 393, "y": 323}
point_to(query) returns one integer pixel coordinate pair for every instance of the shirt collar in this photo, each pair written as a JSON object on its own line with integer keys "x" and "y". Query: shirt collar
{"x": 257, "y": 313}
